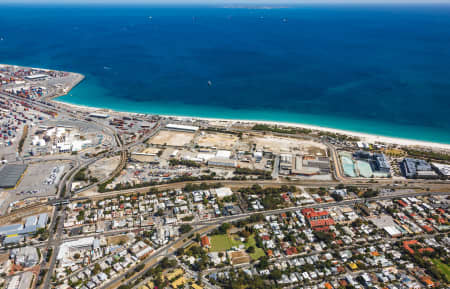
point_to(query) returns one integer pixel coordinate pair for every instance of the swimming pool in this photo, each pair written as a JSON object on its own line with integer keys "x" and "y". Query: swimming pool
{"x": 364, "y": 169}
{"x": 347, "y": 164}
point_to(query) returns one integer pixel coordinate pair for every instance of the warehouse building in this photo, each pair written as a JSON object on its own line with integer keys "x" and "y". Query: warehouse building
{"x": 99, "y": 115}
{"x": 180, "y": 127}
{"x": 10, "y": 229}
{"x": 30, "y": 225}
{"x": 36, "y": 77}
{"x": 285, "y": 163}
{"x": 10, "y": 175}
{"x": 15, "y": 233}
{"x": 221, "y": 162}
{"x": 222, "y": 192}
{"x": 42, "y": 221}
{"x": 222, "y": 158}
{"x": 304, "y": 165}
{"x": 299, "y": 169}
{"x": 14, "y": 239}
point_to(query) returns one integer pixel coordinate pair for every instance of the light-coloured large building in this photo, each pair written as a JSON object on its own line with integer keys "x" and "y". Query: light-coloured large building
{"x": 25, "y": 256}
{"x": 181, "y": 127}
{"x": 222, "y": 192}
{"x": 67, "y": 247}
{"x": 36, "y": 77}
{"x": 221, "y": 162}
{"x": 442, "y": 169}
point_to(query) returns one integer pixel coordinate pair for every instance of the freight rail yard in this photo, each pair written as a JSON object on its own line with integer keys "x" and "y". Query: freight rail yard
{"x": 94, "y": 198}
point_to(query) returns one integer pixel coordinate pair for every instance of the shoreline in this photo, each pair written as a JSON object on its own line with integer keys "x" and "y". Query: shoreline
{"x": 365, "y": 137}
{"x": 79, "y": 78}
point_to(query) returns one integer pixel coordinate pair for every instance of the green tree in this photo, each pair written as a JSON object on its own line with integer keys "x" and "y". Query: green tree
{"x": 275, "y": 274}
{"x": 185, "y": 228}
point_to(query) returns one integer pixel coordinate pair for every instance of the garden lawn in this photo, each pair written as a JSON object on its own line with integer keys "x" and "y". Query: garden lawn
{"x": 258, "y": 251}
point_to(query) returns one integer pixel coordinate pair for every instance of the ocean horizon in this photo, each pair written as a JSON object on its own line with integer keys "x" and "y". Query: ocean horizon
{"x": 380, "y": 70}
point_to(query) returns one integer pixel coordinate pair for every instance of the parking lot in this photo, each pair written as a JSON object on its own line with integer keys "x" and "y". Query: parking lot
{"x": 40, "y": 179}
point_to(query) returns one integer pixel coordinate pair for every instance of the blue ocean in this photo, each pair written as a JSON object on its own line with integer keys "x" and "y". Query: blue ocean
{"x": 375, "y": 69}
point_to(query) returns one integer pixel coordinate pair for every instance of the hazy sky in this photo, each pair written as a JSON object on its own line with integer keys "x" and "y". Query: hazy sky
{"x": 225, "y": 1}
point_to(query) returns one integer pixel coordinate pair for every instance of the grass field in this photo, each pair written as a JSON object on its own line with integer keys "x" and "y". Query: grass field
{"x": 225, "y": 242}
{"x": 444, "y": 268}
{"x": 222, "y": 243}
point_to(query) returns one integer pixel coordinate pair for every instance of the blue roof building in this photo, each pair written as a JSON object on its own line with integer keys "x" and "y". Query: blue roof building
{"x": 10, "y": 229}
{"x": 42, "y": 221}
{"x": 416, "y": 168}
{"x": 31, "y": 221}
{"x": 12, "y": 240}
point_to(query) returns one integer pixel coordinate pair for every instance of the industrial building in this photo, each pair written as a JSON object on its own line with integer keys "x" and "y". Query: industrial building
{"x": 221, "y": 162}
{"x": 304, "y": 165}
{"x": 10, "y": 175}
{"x": 36, "y": 77}
{"x": 25, "y": 256}
{"x": 222, "y": 158}
{"x": 14, "y": 239}
{"x": 310, "y": 165}
{"x": 74, "y": 246}
{"x": 42, "y": 221}
{"x": 10, "y": 229}
{"x": 180, "y": 127}
{"x": 415, "y": 168}
{"x": 15, "y": 233}
{"x": 285, "y": 163}
{"x": 222, "y": 192}
{"x": 99, "y": 115}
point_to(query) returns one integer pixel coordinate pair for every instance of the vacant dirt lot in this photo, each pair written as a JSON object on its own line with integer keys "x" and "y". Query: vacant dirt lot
{"x": 104, "y": 167}
{"x": 218, "y": 140}
{"x": 150, "y": 151}
{"x": 172, "y": 138}
{"x": 115, "y": 240}
{"x": 288, "y": 145}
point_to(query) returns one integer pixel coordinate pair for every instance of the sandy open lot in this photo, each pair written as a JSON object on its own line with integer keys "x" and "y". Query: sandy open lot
{"x": 286, "y": 145}
{"x": 104, "y": 167}
{"x": 172, "y": 138}
{"x": 217, "y": 140}
{"x": 150, "y": 151}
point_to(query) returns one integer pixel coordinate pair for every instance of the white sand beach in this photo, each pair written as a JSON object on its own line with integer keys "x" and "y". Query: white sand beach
{"x": 369, "y": 138}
